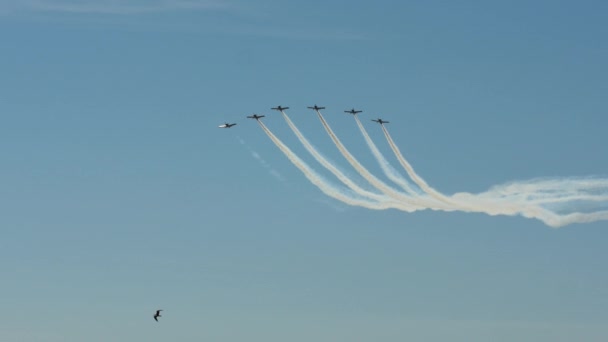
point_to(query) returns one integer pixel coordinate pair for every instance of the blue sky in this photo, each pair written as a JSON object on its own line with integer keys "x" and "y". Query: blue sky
{"x": 121, "y": 195}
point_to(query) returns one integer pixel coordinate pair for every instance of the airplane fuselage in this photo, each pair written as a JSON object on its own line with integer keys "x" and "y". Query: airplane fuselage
{"x": 315, "y": 107}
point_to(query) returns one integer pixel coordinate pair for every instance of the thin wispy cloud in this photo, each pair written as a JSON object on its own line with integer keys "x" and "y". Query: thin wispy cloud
{"x": 299, "y": 33}
{"x": 243, "y": 19}
{"x": 121, "y": 6}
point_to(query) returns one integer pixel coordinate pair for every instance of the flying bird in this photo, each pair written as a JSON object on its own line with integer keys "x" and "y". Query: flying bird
{"x": 157, "y": 314}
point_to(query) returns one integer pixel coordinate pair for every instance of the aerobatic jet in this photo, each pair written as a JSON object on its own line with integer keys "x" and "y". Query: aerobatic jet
{"x": 226, "y": 125}
{"x": 315, "y": 107}
{"x": 380, "y": 121}
{"x": 353, "y": 111}
{"x": 279, "y": 108}
{"x": 255, "y": 116}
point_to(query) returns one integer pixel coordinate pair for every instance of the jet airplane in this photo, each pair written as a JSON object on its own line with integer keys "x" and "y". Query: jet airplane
{"x": 353, "y": 111}
{"x": 226, "y": 125}
{"x": 255, "y": 116}
{"x": 315, "y": 107}
{"x": 380, "y": 121}
{"x": 157, "y": 314}
{"x": 279, "y": 108}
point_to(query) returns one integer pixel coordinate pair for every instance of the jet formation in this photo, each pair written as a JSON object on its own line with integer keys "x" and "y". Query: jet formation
{"x": 556, "y": 202}
{"x": 352, "y": 111}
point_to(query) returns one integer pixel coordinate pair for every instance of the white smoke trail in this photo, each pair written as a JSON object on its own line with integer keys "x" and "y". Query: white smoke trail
{"x": 530, "y": 199}
{"x": 448, "y": 203}
{"x": 413, "y": 175}
{"x": 409, "y": 203}
{"x": 389, "y": 171}
{"x": 314, "y": 178}
{"x": 556, "y": 202}
{"x": 555, "y": 187}
{"x": 334, "y": 170}
{"x": 261, "y": 160}
{"x": 545, "y": 191}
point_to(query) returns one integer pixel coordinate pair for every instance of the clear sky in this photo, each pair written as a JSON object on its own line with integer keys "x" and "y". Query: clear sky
{"x": 121, "y": 196}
